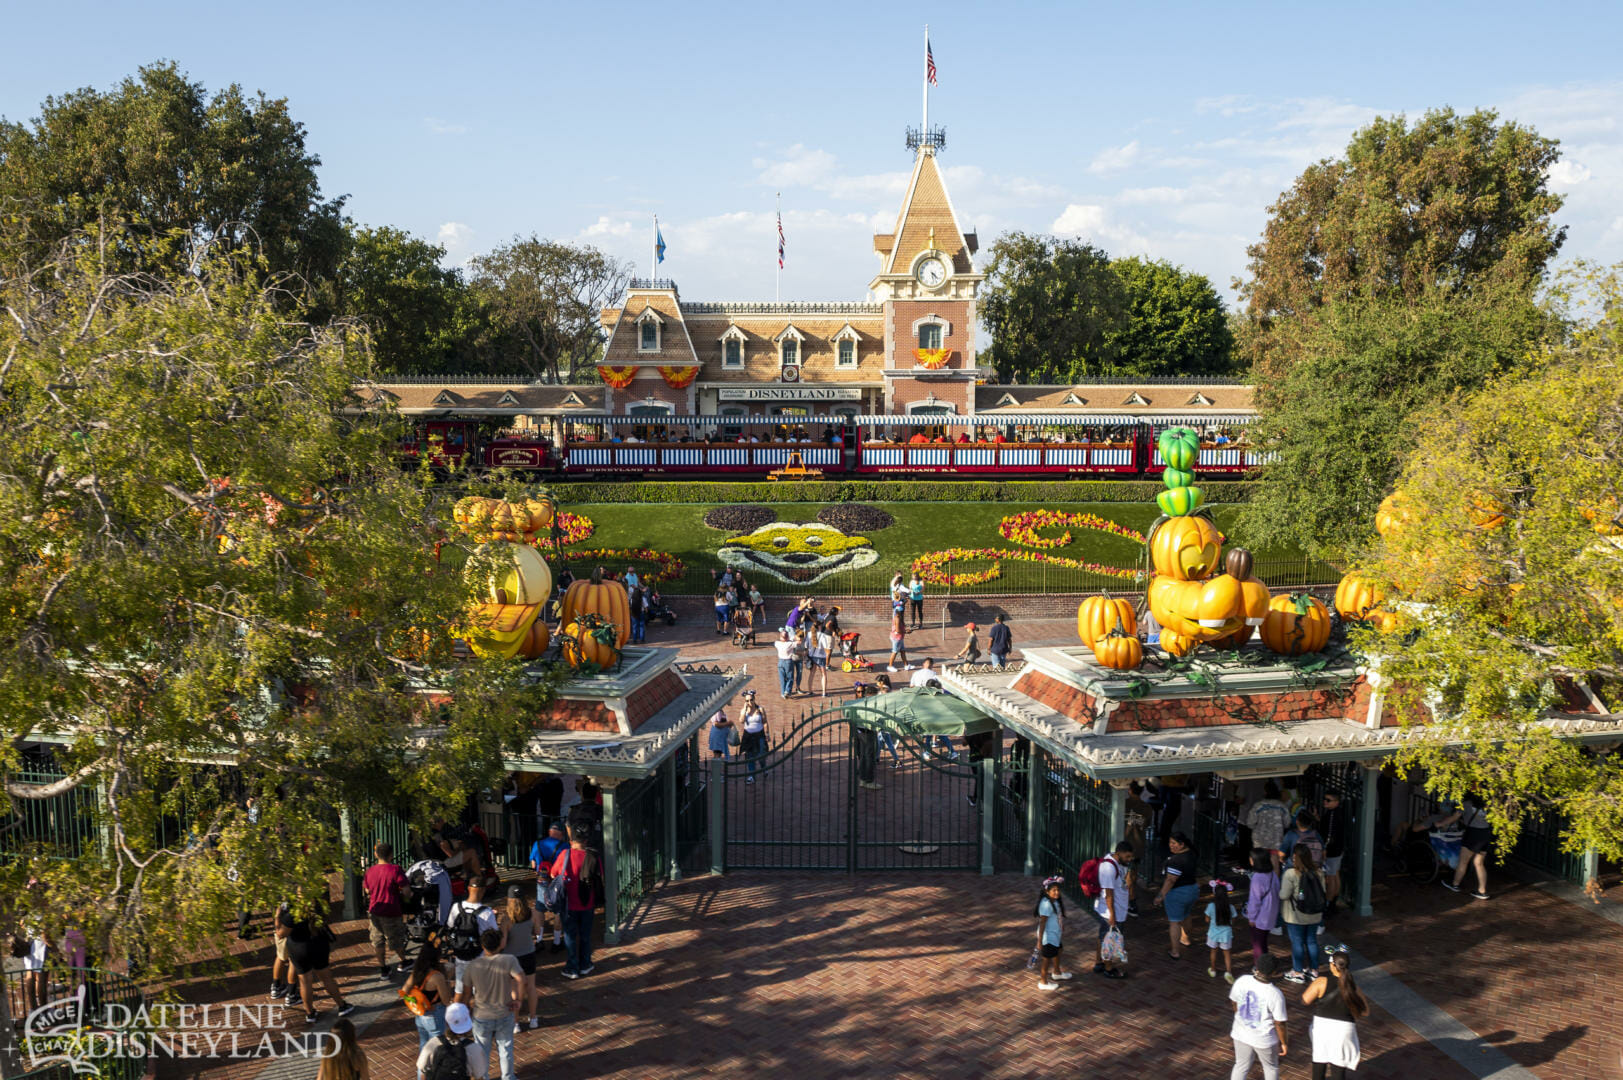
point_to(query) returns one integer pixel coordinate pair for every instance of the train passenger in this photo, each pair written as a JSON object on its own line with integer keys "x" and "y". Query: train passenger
{"x": 919, "y": 438}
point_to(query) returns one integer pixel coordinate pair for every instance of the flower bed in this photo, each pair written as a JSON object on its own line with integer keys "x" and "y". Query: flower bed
{"x": 670, "y": 567}
{"x": 739, "y": 519}
{"x": 932, "y": 567}
{"x": 576, "y": 527}
{"x": 1022, "y": 528}
{"x": 856, "y": 517}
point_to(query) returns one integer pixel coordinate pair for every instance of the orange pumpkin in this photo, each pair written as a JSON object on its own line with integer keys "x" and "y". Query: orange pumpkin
{"x": 1254, "y": 595}
{"x": 1186, "y": 548}
{"x": 606, "y": 599}
{"x": 1099, "y": 615}
{"x": 536, "y": 641}
{"x": 581, "y": 647}
{"x": 1384, "y": 621}
{"x": 1203, "y": 610}
{"x": 1118, "y": 651}
{"x": 1295, "y": 625}
{"x": 1175, "y": 644}
{"x": 1357, "y": 597}
{"x": 542, "y": 510}
{"x": 1392, "y": 515}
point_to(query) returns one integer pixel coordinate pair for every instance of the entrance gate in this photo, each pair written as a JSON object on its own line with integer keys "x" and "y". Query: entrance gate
{"x": 829, "y": 794}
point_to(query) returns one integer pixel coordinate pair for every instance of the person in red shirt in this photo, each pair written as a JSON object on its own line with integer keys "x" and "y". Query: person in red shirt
{"x": 578, "y": 868}
{"x": 998, "y": 438}
{"x": 963, "y": 436}
{"x": 386, "y": 891}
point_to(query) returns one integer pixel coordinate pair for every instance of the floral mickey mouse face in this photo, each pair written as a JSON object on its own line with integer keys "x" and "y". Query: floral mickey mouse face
{"x": 798, "y": 551}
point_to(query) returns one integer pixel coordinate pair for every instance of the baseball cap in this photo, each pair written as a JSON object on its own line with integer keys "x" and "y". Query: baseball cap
{"x": 458, "y": 1019}
{"x": 972, "y": 626}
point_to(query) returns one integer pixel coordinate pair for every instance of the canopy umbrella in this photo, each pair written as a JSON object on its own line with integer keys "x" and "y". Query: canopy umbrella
{"x": 920, "y": 711}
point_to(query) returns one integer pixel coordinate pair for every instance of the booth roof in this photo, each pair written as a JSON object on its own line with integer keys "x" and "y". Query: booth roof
{"x": 921, "y": 711}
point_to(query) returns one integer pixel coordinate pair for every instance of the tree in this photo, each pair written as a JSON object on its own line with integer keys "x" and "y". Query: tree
{"x": 206, "y": 565}
{"x": 159, "y": 154}
{"x": 1050, "y": 306}
{"x": 422, "y": 317}
{"x": 545, "y": 299}
{"x": 1176, "y": 322}
{"x": 1505, "y": 570}
{"x": 1337, "y": 425}
{"x": 1455, "y": 203}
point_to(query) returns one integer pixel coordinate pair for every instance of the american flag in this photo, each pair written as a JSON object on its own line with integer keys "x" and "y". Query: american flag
{"x": 929, "y": 64}
{"x": 780, "y": 239}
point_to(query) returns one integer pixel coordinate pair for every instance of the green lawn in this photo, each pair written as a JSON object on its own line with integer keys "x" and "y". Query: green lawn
{"x": 919, "y": 528}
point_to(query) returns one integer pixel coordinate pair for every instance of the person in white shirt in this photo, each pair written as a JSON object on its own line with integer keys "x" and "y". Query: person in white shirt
{"x": 785, "y": 646}
{"x": 483, "y": 914}
{"x": 1259, "y": 1021}
{"x": 1110, "y": 908}
{"x": 630, "y": 578}
{"x": 458, "y": 1023}
{"x": 925, "y": 675}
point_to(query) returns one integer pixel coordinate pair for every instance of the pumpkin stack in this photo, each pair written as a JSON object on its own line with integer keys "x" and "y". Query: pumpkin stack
{"x": 596, "y": 622}
{"x": 505, "y": 618}
{"x": 1180, "y": 450}
{"x": 1108, "y": 626}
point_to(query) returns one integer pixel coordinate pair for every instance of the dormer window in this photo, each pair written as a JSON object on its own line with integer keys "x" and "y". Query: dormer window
{"x": 790, "y": 346}
{"x": 1136, "y": 398}
{"x": 648, "y": 331}
{"x": 732, "y": 348}
{"x": 845, "y": 347}
{"x": 1199, "y": 399}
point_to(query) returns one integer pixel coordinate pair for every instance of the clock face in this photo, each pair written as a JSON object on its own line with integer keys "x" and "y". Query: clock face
{"x": 931, "y": 272}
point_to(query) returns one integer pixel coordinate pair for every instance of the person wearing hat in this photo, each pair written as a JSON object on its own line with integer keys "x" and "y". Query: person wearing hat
{"x": 543, "y": 853}
{"x": 1050, "y": 915}
{"x": 1259, "y": 1021}
{"x": 453, "y": 1040}
{"x": 971, "y": 652}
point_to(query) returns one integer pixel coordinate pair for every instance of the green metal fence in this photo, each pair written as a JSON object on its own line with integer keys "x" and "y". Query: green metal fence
{"x": 1539, "y": 846}
{"x": 1076, "y": 819}
{"x": 92, "y": 989}
{"x": 64, "y": 826}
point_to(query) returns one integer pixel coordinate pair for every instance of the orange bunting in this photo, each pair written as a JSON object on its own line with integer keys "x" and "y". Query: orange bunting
{"x": 678, "y": 376}
{"x": 617, "y": 377}
{"x": 932, "y": 358}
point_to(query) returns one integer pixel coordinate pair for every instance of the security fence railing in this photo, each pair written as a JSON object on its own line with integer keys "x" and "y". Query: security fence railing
{"x": 75, "y": 1004}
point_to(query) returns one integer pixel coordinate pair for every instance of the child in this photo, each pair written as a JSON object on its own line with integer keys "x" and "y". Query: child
{"x": 1220, "y": 931}
{"x": 1050, "y": 913}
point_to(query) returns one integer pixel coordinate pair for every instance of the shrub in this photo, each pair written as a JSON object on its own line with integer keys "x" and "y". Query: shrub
{"x": 855, "y": 519}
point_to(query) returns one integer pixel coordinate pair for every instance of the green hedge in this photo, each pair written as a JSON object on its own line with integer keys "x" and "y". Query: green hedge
{"x": 878, "y": 491}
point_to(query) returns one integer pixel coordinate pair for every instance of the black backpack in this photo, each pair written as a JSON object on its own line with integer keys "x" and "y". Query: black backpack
{"x": 1309, "y": 898}
{"x": 449, "y": 1061}
{"x": 464, "y": 931}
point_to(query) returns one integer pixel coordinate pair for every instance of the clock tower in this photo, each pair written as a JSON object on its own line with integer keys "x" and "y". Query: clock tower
{"x": 928, "y": 285}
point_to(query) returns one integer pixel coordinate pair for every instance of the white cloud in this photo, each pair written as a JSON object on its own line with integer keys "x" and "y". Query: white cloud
{"x": 1568, "y": 173}
{"x": 1115, "y": 159}
{"x": 442, "y": 127}
{"x": 1079, "y": 219}
{"x": 607, "y": 226}
{"x": 803, "y": 166}
{"x": 457, "y": 240}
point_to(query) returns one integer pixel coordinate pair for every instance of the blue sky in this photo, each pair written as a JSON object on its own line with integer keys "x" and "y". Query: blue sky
{"x": 1152, "y": 129}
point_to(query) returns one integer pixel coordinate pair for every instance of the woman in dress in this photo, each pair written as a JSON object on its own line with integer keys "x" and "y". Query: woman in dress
{"x": 1337, "y": 1007}
{"x": 721, "y": 731}
{"x": 1179, "y": 891}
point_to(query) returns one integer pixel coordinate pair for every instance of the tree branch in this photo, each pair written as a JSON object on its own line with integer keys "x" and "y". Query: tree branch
{"x": 18, "y": 790}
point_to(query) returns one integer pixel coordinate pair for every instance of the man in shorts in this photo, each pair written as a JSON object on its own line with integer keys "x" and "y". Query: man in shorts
{"x": 386, "y": 893}
{"x": 284, "y": 985}
{"x": 543, "y": 853}
{"x": 1333, "y": 828}
{"x": 1110, "y": 909}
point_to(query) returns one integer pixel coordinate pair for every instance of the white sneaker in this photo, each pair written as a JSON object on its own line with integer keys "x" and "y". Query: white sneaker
{"x": 891, "y": 668}
{"x": 910, "y": 667}
{"x": 1321, "y": 929}
{"x": 1065, "y": 975}
{"x": 1048, "y": 986}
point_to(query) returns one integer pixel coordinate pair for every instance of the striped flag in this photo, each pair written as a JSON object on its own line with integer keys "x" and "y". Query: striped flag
{"x": 929, "y": 64}
{"x": 780, "y": 239}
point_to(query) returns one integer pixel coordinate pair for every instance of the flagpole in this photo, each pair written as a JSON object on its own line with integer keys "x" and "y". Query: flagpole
{"x": 653, "y": 252}
{"x": 777, "y": 278}
{"x": 925, "y": 131}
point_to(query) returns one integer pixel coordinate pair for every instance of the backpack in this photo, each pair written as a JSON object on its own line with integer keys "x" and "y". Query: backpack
{"x": 449, "y": 1062}
{"x": 1309, "y": 898}
{"x": 463, "y": 937}
{"x": 1087, "y": 878}
{"x": 1314, "y": 844}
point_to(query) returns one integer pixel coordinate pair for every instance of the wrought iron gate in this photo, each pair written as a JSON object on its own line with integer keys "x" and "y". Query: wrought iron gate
{"x": 830, "y": 795}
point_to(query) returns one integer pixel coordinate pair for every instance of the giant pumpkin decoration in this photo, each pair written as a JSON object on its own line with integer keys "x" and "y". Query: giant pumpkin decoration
{"x": 1391, "y": 516}
{"x": 526, "y": 580}
{"x": 1118, "y": 650}
{"x": 1295, "y": 625}
{"x": 1185, "y": 548}
{"x": 1175, "y": 644}
{"x": 606, "y": 599}
{"x": 1254, "y": 595}
{"x": 1098, "y": 615}
{"x": 505, "y": 630}
{"x": 1357, "y": 597}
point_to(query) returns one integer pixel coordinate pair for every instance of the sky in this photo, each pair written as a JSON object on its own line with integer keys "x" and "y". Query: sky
{"x": 1151, "y": 129}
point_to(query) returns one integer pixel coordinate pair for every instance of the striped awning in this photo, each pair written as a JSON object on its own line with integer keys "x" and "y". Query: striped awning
{"x": 709, "y": 421}
{"x": 997, "y": 419}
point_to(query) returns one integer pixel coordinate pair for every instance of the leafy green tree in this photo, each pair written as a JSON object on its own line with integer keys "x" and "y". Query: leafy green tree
{"x": 1505, "y": 574}
{"x": 157, "y": 155}
{"x": 544, "y": 299}
{"x": 1051, "y": 306}
{"x": 1338, "y": 424}
{"x": 422, "y": 317}
{"x": 206, "y": 565}
{"x": 1454, "y": 203}
{"x": 1176, "y": 322}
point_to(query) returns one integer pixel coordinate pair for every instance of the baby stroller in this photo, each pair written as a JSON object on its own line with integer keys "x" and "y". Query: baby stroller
{"x": 743, "y": 628}
{"x": 853, "y": 661}
{"x": 427, "y": 880}
{"x": 658, "y": 610}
